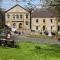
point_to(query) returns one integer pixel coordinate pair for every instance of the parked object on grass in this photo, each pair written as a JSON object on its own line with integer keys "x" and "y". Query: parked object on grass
{"x": 58, "y": 37}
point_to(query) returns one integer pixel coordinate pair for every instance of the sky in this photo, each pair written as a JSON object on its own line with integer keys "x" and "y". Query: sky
{"x": 6, "y": 4}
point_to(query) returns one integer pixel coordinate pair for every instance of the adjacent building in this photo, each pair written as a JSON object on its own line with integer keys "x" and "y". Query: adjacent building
{"x": 44, "y": 20}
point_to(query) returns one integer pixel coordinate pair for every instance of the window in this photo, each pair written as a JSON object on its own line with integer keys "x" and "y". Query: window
{"x": 21, "y": 16}
{"x": 51, "y": 20}
{"x": 59, "y": 20}
{"x": 51, "y": 27}
{"x": 36, "y": 27}
{"x": 43, "y": 27}
{"x": 17, "y": 16}
{"x": 26, "y": 16}
{"x": 26, "y": 22}
{"x": 36, "y": 20}
{"x": 14, "y": 16}
{"x": 20, "y": 25}
{"x": 44, "y": 20}
{"x": 14, "y": 25}
{"x": 8, "y": 15}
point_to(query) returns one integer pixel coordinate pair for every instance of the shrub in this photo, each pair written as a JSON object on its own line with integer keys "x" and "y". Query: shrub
{"x": 37, "y": 47}
{"x": 46, "y": 33}
{"x": 54, "y": 33}
{"x": 0, "y": 30}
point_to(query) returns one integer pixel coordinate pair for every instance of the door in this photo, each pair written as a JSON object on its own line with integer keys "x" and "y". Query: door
{"x": 20, "y": 25}
{"x": 58, "y": 28}
{"x": 43, "y": 27}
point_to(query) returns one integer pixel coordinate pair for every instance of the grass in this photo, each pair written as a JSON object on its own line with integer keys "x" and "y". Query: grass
{"x": 28, "y": 51}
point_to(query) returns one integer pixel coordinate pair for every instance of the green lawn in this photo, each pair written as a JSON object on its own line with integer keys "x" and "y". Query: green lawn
{"x": 31, "y": 51}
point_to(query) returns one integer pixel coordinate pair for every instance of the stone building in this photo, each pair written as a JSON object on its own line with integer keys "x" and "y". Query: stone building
{"x": 43, "y": 19}
{"x": 18, "y": 18}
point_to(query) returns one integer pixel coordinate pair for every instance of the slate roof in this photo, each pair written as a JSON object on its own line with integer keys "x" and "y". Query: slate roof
{"x": 43, "y": 13}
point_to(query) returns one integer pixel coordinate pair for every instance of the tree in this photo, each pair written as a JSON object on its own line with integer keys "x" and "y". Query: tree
{"x": 30, "y": 7}
{"x": 2, "y": 15}
{"x": 54, "y": 6}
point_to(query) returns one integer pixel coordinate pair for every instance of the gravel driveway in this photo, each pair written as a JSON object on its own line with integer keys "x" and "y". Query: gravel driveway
{"x": 39, "y": 40}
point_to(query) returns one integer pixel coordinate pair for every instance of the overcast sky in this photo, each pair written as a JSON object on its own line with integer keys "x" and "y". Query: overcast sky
{"x": 8, "y": 3}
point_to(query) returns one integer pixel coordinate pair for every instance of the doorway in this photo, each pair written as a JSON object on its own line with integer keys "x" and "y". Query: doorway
{"x": 43, "y": 27}
{"x": 58, "y": 28}
{"x": 20, "y": 25}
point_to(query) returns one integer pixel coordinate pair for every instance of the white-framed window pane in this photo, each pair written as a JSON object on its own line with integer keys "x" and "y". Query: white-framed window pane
{"x": 26, "y": 22}
{"x": 36, "y": 20}
{"x": 36, "y": 27}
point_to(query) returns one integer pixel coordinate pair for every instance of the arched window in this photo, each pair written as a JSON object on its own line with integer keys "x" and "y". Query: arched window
{"x": 14, "y": 25}
{"x": 20, "y": 25}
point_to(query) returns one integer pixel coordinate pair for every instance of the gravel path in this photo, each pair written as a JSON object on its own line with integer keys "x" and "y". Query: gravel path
{"x": 39, "y": 40}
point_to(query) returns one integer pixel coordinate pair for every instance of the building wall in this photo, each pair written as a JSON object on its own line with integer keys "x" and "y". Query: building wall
{"x": 17, "y": 11}
{"x": 47, "y": 24}
{"x": 39, "y": 25}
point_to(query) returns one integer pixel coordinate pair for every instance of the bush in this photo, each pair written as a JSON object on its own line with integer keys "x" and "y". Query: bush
{"x": 37, "y": 47}
{"x": 1, "y": 30}
{"x": 54, "y": 33}
{"x": 16, "y": 32}
{"x": 46, "y": 33}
